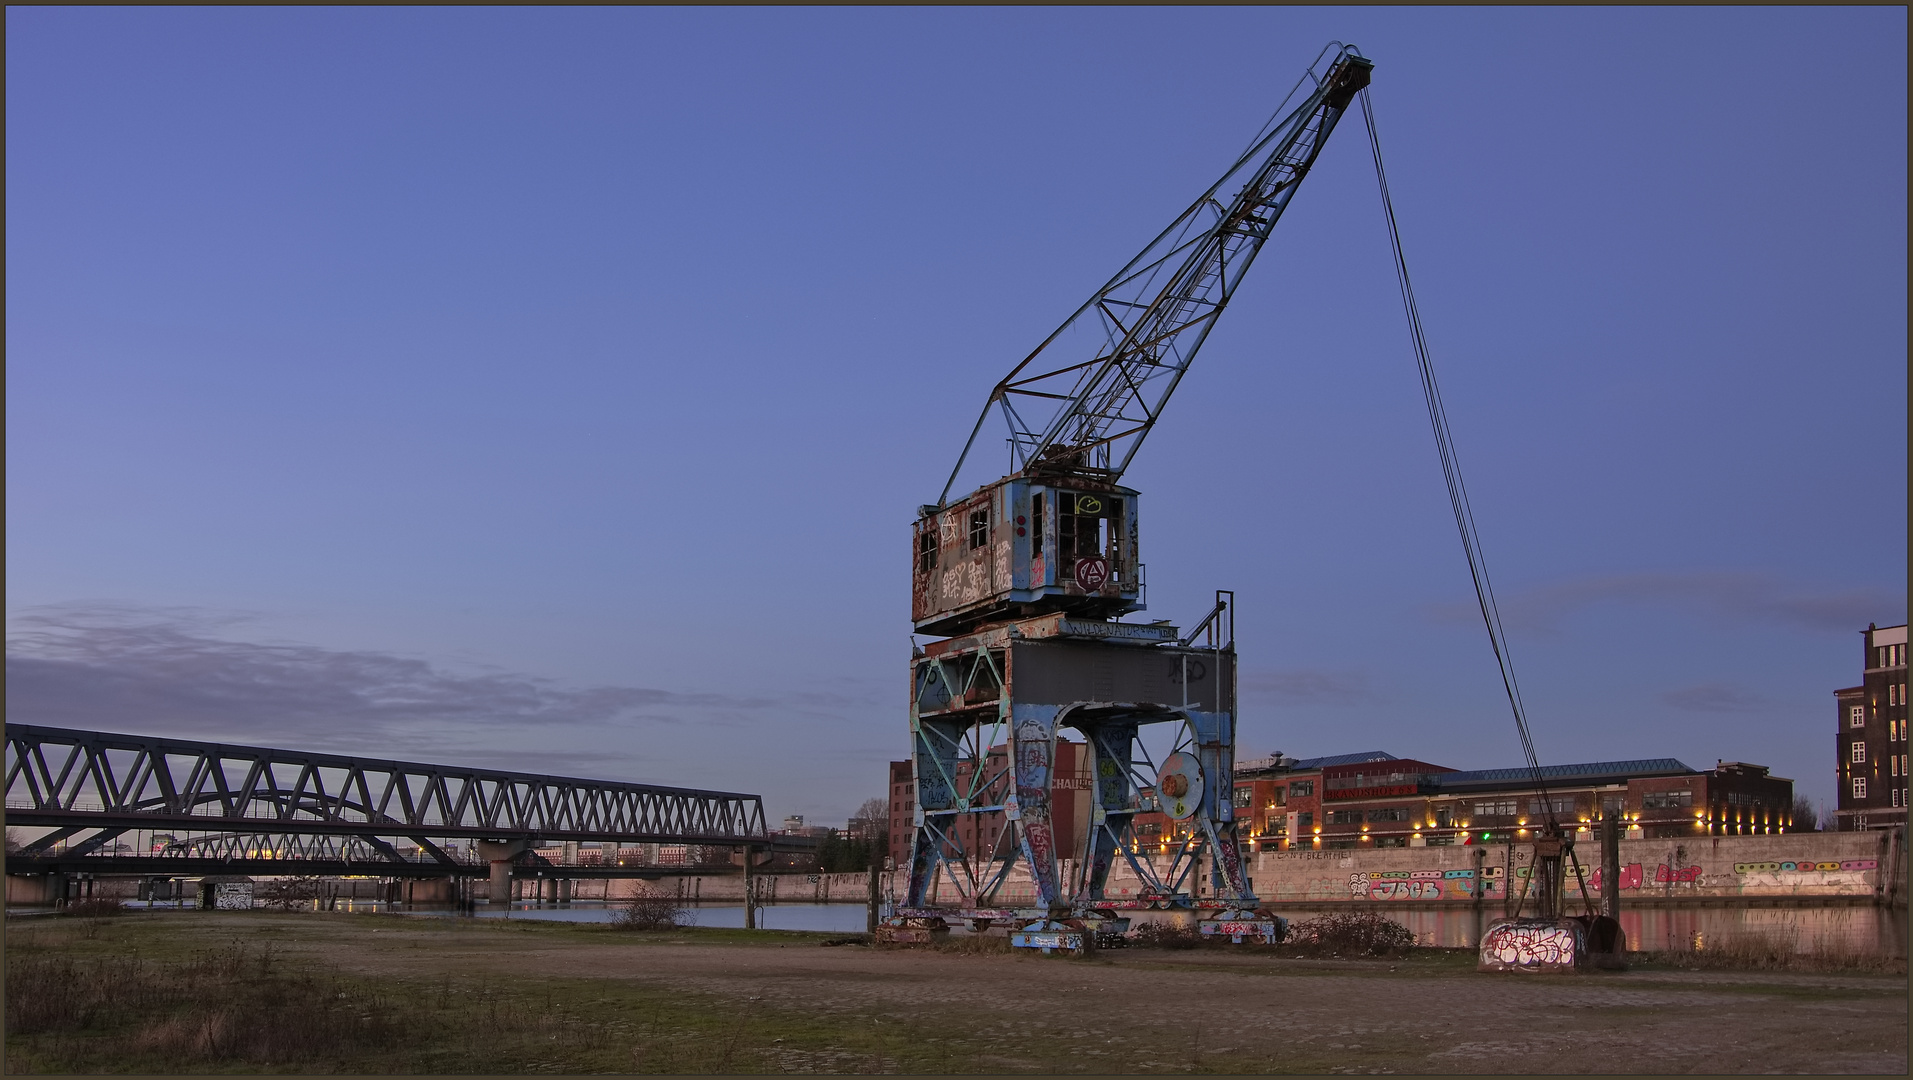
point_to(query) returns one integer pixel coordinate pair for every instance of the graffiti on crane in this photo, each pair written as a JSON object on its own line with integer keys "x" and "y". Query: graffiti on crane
{"x": 1529, "y": 946}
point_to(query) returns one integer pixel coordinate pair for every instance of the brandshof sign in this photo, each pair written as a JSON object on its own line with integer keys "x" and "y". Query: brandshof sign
{"x": 1372, "y": 792}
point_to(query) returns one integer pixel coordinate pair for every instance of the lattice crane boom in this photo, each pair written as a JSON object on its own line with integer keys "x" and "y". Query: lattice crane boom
{"x": 1082, "y": 402}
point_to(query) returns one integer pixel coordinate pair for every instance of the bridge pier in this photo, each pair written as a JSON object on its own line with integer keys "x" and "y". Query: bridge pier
{"x": 500, "y": 854}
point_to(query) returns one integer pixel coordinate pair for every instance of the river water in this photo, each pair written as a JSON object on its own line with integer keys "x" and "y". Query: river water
{"x": 1808, "y": 929}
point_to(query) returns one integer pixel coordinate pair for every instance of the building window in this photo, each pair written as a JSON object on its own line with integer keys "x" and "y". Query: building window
{"x": 1392, "y": 813}
{"x": 979, "y": 528}
{"x": 1244, "y": 797}
{"x": 1344, "y": 817}
{"x": 1560, "y": 804}
{"x": 1859, "y": 753}
{"x": 1502, "y": 808}
{"x": 1857, "y": 716}
{"x": 1302, "y": 787}
{"x": 1666, "y": 800}
{"x": 1305, "y": 820}
{"x": 1859, "y": 787}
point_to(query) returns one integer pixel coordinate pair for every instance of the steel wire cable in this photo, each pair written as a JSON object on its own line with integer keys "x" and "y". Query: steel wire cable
{"x": 1451, "y": 474}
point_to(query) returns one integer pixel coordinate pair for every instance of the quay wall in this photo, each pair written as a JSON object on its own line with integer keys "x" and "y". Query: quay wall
{"x": 1856, "y": 865}
{"x": 1802, "y": 867}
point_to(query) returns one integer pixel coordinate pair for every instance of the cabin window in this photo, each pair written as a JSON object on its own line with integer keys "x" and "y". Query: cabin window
{"x": 926, "y": 551}
{"x": 979, "y": 528}
{"x": 1037, "y": 500}
{"x": 1089, "y": 526}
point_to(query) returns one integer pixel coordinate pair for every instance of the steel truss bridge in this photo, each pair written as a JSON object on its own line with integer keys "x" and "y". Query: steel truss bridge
{"x": 224, "y": 808}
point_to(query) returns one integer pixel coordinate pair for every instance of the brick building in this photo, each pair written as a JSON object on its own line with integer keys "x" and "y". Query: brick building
{"x": 903, "y": 806}
{"x": 1870, "y": 741}
{"x": 978, "y": 833}
{"x": 1376, "y": 800}
{"x": 1379, "y": 800}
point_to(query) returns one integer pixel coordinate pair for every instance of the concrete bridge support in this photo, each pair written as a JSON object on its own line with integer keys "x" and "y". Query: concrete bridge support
{"x": 500, "y": 854}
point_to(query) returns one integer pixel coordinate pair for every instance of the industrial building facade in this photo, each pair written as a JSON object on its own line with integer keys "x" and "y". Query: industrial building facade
{"x": 1377, "y": 800}
{"x": 1384, "y": 801}
{"x": 1870, "y": 763}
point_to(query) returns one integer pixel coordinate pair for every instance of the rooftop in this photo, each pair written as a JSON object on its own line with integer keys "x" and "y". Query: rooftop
{"x": 1585, "y": 771}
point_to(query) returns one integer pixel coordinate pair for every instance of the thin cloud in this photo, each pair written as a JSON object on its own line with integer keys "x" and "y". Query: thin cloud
{"x": 1714, "y": 698}
{"x": 1736, "y": 596}
{"x": 115, "y": 668}
{"x": 1305, "y": 686}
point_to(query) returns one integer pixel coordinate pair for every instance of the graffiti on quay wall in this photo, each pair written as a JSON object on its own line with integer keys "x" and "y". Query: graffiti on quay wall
{"x": 1805, "y": 866}
{"x": 1412, "y": 885}
{"x": 1529, "y": 946}
{"x": 1634, "y": 877}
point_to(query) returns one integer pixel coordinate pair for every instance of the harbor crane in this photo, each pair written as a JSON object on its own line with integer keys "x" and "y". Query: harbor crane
{"x": 1026, "y": 578}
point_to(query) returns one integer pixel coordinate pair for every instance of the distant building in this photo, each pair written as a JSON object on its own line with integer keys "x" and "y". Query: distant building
{"x": 903, "y": 806}
{"x": 1870, "y": 741}
{"x": 1378, "y": 800}
{"x": 978, "y": 833}
{"x": 1374, "y": 799}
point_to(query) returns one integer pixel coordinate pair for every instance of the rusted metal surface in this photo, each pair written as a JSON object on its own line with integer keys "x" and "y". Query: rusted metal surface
{"x": 1018, "y": 686}
{"x": 1017, "y": 548}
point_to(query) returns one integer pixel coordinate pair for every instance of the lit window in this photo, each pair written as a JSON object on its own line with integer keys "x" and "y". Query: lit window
{"x": 1859, "y": 787}
{"x": 1859, "y": 755}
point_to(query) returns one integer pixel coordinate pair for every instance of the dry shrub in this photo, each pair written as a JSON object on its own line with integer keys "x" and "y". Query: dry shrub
{"x": 649, "y": 911}
{"x": 1351, "y": 933}
{"x": 1776, "y": 949}
{"x": 99, "y": 908}
{"x": 972, "y": 944}
{"x": 1164, "y": 935}
{"x": 289, "y": 893}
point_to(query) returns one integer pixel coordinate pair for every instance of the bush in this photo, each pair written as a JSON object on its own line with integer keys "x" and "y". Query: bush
{"x": 1164, "y": 935}
{"x": 99, "y": 908}
{"x": 649, "y": 911}
{"x": 1354, "y": 933}
{"x": 288, "y": 894}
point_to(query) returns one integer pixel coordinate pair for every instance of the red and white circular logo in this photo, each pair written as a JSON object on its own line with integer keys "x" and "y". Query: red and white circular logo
{"x": 1091, "y": 573}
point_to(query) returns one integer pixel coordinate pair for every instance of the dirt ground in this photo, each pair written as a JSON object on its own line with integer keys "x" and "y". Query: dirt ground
{"x": 1156, "y": 1011}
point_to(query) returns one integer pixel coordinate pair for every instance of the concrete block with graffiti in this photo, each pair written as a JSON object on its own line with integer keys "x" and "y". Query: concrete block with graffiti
{"x": 1533, "y": 945}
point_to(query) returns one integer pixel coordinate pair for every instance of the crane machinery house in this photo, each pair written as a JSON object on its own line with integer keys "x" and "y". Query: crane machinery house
{"x": 1020, "y": 548}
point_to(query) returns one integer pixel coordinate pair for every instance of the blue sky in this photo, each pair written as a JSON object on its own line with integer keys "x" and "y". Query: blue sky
{"x": 554, "y": 388}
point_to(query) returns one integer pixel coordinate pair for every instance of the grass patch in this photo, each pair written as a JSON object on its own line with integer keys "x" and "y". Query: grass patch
{"x": 167, "y": 995}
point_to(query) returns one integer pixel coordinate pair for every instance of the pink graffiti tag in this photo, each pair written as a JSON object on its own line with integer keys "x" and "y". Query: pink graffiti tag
{"x": 1631, "y": 877}
{"x": 1663, "y": 874}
